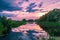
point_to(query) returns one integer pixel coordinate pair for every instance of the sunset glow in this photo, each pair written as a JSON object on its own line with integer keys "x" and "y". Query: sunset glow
{"x": 29, "y": 19}
{"x": 26, "y": 15}
{"x": 27, "y": 27}
{"x": 29, "y": 9}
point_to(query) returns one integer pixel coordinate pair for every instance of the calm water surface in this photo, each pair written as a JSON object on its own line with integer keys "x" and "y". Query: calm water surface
{"x": 29, "y": 31}
{"x": 27, "y": 26}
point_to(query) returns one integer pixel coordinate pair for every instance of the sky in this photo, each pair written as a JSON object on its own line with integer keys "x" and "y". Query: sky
{"x": 27, "y": 9}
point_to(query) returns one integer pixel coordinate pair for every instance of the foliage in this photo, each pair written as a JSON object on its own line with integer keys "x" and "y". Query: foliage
{"x": 51, "y": 38}
{"x": 51, "y": 16}
{"x": 7, "y": 24}
{"x": 51, "y": 22}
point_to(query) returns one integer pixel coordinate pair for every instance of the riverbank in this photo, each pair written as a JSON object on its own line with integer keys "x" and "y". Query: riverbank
{"x": 53, "y": 28}
{"x": 7, "y": 24}
{"x": 56, "y": 38}
{"x": 51, "y": 22}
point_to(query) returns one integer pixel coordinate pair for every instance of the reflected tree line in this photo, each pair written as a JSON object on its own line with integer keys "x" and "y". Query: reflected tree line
{"x": 49, "y": 22}
{"x": 7, "y": 24}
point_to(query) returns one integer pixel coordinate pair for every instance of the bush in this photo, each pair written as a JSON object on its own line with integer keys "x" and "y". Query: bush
{"x": 7, "y": 24}
{"x": 51, "y": 22}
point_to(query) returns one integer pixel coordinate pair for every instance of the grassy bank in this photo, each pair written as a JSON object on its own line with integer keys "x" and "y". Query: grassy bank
{"x": 50, "y": 22}
{"x": 53, "y": 28}
{"x": 7, "y": 24}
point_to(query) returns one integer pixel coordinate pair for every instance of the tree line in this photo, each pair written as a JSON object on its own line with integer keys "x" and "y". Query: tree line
{"x": 7, "y": 24}
{"x": 50, "y": 22}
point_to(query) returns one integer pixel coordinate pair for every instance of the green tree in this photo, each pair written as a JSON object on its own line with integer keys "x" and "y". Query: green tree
{"x": 53, "y": 15}
{"x": 51, "y": 22}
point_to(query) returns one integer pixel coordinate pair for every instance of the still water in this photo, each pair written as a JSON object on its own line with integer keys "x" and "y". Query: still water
{"x": 27, "y": 26}
{"x": 29, "y": 31}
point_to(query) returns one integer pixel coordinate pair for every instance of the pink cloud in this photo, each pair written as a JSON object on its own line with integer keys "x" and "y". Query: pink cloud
{"x": 52, "y": 6}
{"x": 27, "y": 16}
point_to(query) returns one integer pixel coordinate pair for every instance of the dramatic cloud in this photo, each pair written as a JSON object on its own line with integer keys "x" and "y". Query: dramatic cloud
{"x": 32, "y": 10}
{"x": 30, "y": 7}
{"x": 15, "y": 7}
{"x": 20, "y": 3}
{"x": 26, "y": 0}
{"x": 40, "y": 5}
{"x": 4, "y": 5}
{"x": 7, "y": 15}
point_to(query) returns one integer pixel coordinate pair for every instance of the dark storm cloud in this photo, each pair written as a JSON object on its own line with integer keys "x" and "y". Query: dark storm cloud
{"x": 26, "y": 0}
{"x": 20, "y": 3}
{"x": 40, "y": 5}
{"x": 4, "y": 5}
{"x": 30, "y": 7}
{"x": 32, "y": 10}
{"x": 7, "y": 15}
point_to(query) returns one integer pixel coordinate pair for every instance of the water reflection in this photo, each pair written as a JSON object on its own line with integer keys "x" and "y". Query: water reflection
{"x": 29, "y": 31}
{"x": 27, "y": 26}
